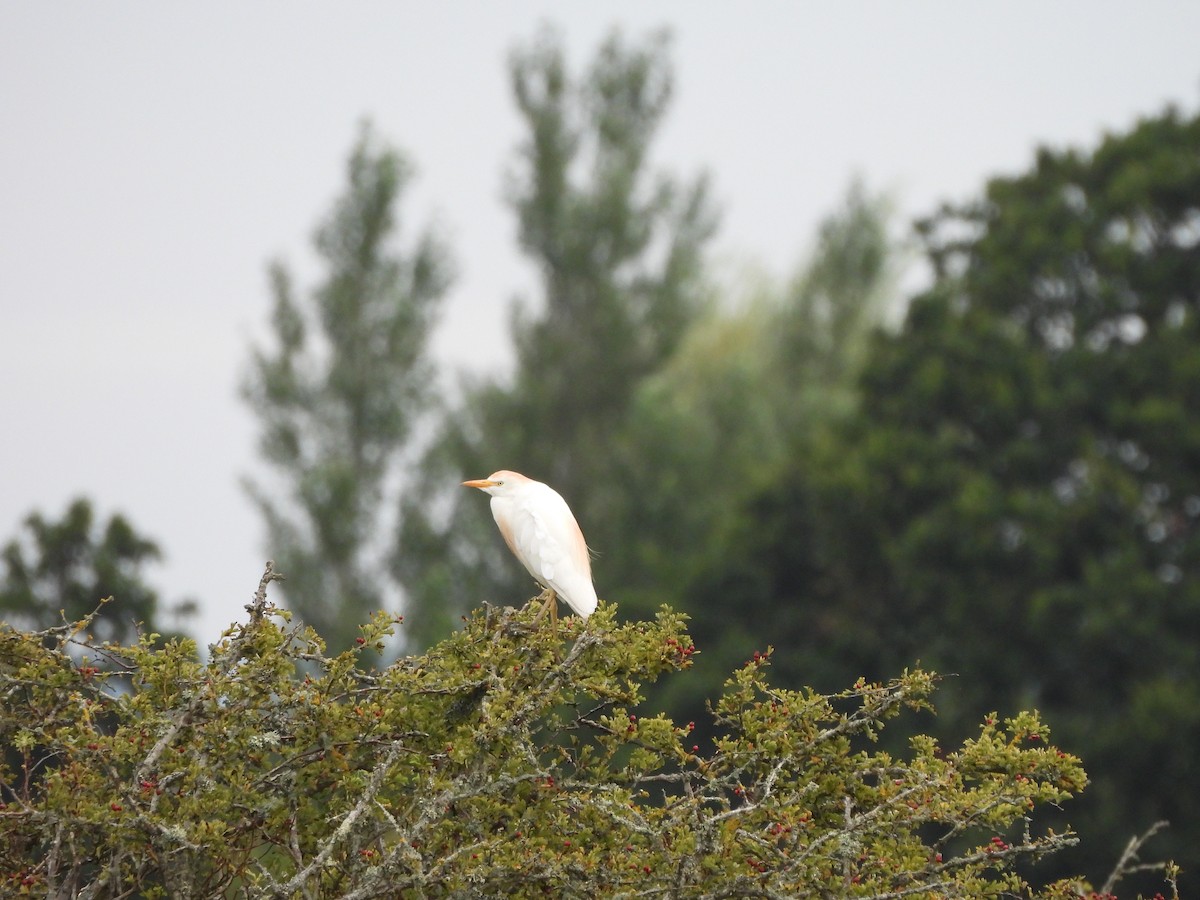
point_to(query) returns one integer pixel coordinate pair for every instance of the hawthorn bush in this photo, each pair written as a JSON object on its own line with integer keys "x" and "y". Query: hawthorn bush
{"x": 511, "y": 760}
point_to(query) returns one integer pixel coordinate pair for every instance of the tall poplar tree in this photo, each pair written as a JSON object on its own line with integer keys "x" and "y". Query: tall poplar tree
{"x": 618, "y": 250}
{"x": 339, "y": 392}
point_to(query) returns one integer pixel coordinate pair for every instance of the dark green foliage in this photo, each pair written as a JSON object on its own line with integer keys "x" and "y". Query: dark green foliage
{"x": 340, "y": 393}
{"x": 1017, "y": 500}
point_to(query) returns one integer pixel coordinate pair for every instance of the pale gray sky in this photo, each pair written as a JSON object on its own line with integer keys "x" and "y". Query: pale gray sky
{"x": 154, "y": 156}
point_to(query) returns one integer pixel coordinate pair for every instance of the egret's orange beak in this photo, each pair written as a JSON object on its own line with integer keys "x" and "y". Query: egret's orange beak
{"x": 480, "y": 483}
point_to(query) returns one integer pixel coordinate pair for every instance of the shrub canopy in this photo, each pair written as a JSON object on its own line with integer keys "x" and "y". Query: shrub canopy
{"x": 509, "y": 760}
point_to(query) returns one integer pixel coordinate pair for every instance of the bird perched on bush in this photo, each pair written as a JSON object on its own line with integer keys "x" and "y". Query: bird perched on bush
{"x": 542, "y": 533}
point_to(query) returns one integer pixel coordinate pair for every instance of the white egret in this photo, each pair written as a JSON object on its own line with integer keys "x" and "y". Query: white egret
{"x": 542, "y": 533}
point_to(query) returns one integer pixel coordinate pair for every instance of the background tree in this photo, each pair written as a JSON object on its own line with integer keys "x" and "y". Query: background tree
{"x": 751, "y": 382}
{"x": 1017, "y": 499}
{"x": 340, "y": 392}
{"x": 62, "y": 571}
{"x": 618, "y": 252}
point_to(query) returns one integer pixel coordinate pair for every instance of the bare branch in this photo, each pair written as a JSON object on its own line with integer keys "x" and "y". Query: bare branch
{"x": 1128, "y": 863}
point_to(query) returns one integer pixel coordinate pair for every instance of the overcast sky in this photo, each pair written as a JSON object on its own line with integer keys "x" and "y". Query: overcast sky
{"x": 155, "y": 156}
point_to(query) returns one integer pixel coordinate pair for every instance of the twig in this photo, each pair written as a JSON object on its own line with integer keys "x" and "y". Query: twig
{"x": 258, "y": 606}
{"x": 1128, "y": 863}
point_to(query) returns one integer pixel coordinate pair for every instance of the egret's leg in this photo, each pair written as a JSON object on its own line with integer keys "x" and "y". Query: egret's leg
{"x": 551, "y": 606}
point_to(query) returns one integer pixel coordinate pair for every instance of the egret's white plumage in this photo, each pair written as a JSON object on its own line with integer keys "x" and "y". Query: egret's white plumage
{"x": 542, "y": 533}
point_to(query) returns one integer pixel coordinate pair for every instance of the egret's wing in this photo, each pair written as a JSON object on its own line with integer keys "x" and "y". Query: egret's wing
{"x": 543, "y": 534}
